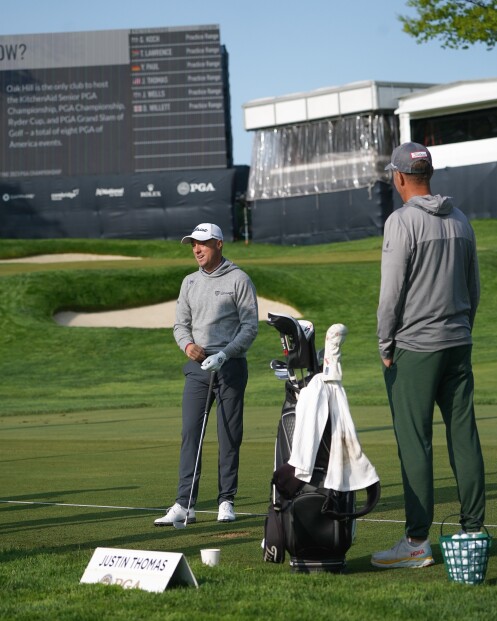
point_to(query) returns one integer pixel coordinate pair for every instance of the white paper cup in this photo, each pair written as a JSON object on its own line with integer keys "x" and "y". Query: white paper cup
{"x": 210, "y": 556}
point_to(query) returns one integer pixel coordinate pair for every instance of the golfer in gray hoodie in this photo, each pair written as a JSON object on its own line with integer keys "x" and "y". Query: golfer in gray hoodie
{"x": 428, "y": 298}
{"x": 216, "y": 323}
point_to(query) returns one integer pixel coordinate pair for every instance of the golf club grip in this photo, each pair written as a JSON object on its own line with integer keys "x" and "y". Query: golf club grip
{"x": 204, "y": 421}
{"x": 209, "y": 391}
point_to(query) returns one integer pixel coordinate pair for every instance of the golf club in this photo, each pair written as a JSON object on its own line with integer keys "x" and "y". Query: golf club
{"x": 280, "y": 369}
{"x": 204, "y": 424}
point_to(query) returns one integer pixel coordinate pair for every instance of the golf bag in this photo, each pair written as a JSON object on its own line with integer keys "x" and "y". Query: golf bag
{"x": 315, "y": 525}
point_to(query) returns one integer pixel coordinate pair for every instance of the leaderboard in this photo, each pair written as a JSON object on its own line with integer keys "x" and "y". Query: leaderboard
{"x": 113, "y": 102}
{"x": 178, "y": 109}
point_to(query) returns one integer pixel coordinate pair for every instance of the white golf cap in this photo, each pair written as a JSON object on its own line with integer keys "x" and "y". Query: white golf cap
{"x": 203, "y": 232}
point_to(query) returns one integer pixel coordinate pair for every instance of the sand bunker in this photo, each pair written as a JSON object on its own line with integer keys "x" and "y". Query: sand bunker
{"x": 156, "y": 316}
{"x": 68, "y": 257}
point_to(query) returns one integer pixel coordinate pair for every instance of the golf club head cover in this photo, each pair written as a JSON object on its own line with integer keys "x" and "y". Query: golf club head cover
{"x": 214, "y": 362}
{"x": 332, "y": 367}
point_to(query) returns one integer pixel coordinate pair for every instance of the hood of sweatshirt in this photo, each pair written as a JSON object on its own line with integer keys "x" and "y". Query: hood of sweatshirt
{"x": 225, "y": 267}
{"x": 435, "y": 205}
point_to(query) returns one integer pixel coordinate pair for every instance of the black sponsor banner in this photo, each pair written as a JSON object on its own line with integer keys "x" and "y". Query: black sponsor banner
{"x": 199, "y": 187}
{"x": 154, "y": 206}
{"x": 148, "y": 189}
{"x": 168, "y": 205}
{"x": 355, "y": 214}
{"x": 48, "y": 208}
{"x": 322, "y": 218}
{"x": 19, "y": 194}
{"x": 473, "y": 188}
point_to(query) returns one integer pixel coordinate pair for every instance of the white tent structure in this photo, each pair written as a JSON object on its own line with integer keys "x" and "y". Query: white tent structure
{"x": 458, "y": 123}
{"x": 318, "y": 159}
{"x": 325, "y": 140}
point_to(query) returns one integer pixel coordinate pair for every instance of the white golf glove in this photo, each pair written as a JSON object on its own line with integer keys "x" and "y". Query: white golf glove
{"x": 214, "y": 362}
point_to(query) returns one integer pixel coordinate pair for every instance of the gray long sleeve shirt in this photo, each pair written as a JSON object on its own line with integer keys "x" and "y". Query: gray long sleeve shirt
{"x": 430, "y": 285}
{"x": 217, "y": 311}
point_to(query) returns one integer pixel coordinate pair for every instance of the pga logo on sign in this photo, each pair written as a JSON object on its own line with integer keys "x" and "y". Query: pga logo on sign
{"x": 185, "y": 188}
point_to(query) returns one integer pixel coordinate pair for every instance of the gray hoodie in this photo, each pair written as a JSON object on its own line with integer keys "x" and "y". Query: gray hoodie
{"x": 429, "y": 278}
{"x": 217, "y": 311}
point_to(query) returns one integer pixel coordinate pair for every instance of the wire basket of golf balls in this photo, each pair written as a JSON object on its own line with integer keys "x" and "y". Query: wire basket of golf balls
{"x": 465, "y": 554}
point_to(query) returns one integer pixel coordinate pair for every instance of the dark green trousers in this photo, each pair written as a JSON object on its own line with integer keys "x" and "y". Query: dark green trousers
{"x": 415, "y": 382}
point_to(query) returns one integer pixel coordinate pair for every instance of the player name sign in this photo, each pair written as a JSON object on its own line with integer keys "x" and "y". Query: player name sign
{"x": 138, "y": 569}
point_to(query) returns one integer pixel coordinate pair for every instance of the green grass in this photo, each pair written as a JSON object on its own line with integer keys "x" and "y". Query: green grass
{"x": 128, "y": 458}
{"x": 112, "y": 368}
{"x": 91, "y": 417}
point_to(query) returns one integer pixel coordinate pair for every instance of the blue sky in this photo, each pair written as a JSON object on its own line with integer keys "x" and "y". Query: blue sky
{"x": 275, "y": 47}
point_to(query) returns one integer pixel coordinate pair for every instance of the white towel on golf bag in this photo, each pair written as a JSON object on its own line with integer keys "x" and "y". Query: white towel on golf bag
{"x": 348, "y": 468}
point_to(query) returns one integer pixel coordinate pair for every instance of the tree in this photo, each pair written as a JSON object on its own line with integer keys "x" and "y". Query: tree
{"x": 458, "y": 23}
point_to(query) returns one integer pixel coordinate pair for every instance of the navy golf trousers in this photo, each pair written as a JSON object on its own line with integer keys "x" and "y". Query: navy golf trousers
{"x": 228, "y": 392}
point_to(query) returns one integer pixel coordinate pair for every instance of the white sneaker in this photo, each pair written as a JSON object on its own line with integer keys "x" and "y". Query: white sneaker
{"x": 176, "y": 513}
{"x": 226, "y": 512}
{"x": 404, "y": 554}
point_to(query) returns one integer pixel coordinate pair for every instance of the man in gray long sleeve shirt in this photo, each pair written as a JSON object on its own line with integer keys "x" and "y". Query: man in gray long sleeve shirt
{"x": 428, "y": 299}
{"x": 216, "y": 323}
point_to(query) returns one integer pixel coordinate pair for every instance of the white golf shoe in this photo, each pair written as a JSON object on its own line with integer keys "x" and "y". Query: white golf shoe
{"x": 176, "y": 513}
{"x": 226, "y": 512}
{"x": 404, "y": 554}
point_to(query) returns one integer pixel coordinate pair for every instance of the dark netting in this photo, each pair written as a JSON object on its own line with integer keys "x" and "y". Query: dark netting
{"x": 321, "y": 157}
